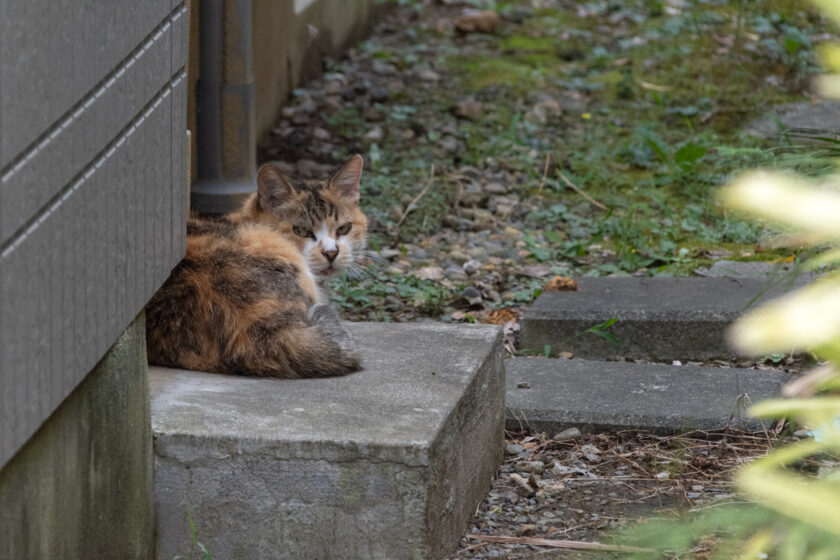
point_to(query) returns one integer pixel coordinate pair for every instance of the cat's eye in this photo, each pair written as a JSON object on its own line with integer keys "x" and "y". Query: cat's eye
{"x": 345, "y": 229}
{"x": 302, "y": 232}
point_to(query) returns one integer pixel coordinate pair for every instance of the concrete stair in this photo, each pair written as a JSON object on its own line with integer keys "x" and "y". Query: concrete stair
{"x": 657, "y": 319}
{"x": 550, "y": 395}
{"x": 387, "y": 463}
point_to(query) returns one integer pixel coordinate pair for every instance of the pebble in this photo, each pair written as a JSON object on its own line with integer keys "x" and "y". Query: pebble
{"x": 458, "y": 255}
{"x": 536, "y": 466}
{"x": 523, "y": 385}
{"x": 802, "y": 434}
{"x": 296, "y": 138}
{"x": 495, "y": 188}
{"x": 662, "y": 475}
{"x": 472, "y": 295}
{"x": 510, "y": 496}
{"x": 383, "y": 68}
{"x": 513, "y": 448}
{"x": 471, "y": 267}
{"x": 333, "y": 88}
{"x": 375, "y": 134}
{"x": 470, "y": 109}
{"x": 567, "y": 435}
{"x": 393, "y": 303}
{"x": 300, "y": 119}
{"x": 378, "y": 94}
{"x": 430, "y": 273}
{"x": 449, "y": 143}
{"x": 320, "y": 133}
{"x": 428, "y": 75}
{"x": 459, "y": 224}
{"x": 455, "y": 272}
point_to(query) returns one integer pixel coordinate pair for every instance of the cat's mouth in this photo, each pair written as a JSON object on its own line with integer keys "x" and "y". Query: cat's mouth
{"x": 329, "y": 271}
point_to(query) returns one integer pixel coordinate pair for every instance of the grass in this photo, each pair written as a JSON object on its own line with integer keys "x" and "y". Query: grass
{"x": 649, "y": 108}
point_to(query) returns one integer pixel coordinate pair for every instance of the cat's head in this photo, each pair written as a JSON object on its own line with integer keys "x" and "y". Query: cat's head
{"x": 322, "y": 218}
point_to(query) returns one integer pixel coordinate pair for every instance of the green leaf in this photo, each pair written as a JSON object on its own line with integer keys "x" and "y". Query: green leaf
{"x": 657, "y": 147}
{"x": 689, "y": 154}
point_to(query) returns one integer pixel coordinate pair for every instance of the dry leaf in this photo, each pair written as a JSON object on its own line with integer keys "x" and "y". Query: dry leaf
{"x": 485, "y": 21}
{"x": 523, "y": 487}
{"x": 561, "y": 284}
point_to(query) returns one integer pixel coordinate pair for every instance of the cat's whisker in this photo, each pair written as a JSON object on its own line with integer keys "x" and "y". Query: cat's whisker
{"x": 373, "y": 256}
{"x": 359, "y": 272}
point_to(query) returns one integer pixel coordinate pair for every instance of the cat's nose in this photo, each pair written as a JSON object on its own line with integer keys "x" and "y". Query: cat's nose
{"x": 330, "y": 255}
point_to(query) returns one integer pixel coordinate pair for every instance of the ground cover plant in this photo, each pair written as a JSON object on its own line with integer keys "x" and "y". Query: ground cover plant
{"x": 581, "y": 138}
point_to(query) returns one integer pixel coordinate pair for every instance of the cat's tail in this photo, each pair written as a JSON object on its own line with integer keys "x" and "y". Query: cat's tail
{"x": 322, "y": 348}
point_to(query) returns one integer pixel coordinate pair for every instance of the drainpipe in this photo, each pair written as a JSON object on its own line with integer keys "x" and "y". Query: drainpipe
{"x": 225, "y": 120}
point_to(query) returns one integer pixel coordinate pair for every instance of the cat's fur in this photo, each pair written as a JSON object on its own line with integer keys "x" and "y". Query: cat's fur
{"x": 246, "y": 298}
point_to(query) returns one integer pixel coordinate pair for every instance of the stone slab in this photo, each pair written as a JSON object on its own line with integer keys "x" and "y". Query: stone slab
{"x": 598, "y": 395}
{"x": 824, "y": 116}
{"x": 658, "y": 319}
{"x": 782, "y": 272}
{"x": 389, "y": 462}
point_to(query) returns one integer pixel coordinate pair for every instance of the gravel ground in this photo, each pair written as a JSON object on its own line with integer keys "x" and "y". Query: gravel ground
{"x": 587, "y": 487}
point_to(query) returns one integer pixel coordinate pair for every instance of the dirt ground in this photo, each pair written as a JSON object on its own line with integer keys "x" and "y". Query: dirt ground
{"x": 589, "y": 487}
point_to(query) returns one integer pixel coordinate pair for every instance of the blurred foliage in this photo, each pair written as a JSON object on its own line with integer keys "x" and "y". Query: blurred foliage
{"x": 792, "y": 513}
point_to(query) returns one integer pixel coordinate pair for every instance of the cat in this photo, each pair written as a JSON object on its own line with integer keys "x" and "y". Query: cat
{"x": 246, "y": 298}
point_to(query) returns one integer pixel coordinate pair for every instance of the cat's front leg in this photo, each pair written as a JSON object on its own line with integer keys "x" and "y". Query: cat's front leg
{"x": 326, "y": 317}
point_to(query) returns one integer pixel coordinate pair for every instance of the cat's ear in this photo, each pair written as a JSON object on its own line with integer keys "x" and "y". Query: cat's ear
{"x": 346, "y": 180}
{"x": 273, "y": 188}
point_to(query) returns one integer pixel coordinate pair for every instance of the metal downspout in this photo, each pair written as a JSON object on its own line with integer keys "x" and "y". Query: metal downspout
{"x": 226, "y": 129}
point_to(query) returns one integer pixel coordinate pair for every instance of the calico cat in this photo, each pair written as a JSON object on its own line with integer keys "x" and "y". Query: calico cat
{"x": 246, "y": 298}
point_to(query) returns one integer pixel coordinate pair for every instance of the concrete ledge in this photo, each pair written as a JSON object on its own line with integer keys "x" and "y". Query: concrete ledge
{"x": 81, "y": 487}
{"x": 658, "y": 318}
{"x": 597, "y": 396}
{"x": 388, "y": 463}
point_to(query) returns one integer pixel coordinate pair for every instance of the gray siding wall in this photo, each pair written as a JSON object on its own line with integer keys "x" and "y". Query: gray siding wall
{"x": 93, "y": 196}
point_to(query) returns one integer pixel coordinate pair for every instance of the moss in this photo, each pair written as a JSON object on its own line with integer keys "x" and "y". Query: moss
{"x": 523, "y": 43}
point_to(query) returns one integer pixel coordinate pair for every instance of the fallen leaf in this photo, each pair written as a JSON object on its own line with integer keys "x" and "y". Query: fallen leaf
{"x": 561, "y": 284}
{"x": 591, "y": 452}
{"x": 526, "y": 529}
{"x": 523, "y": 487}
{"x": 484, "y": 21}
{"x": 498, "y": 316}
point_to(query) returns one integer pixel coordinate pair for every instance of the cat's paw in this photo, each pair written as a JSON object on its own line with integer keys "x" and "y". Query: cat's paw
{"x": 323, "y": 313}
{"x": 326, "y": 317}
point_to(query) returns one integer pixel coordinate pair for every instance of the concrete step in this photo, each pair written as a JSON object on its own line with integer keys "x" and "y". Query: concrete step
{"x": 388, "y": 463}
{"x": 550, "y": 395}
{"x": 658, "y": 319}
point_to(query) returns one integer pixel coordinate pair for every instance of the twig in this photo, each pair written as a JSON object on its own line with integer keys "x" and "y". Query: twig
{"x": 417, "y": 198}
{"x": 545, "y": 173}
{"x": 558, "y": 543}
{"x": 580, "y": 192}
